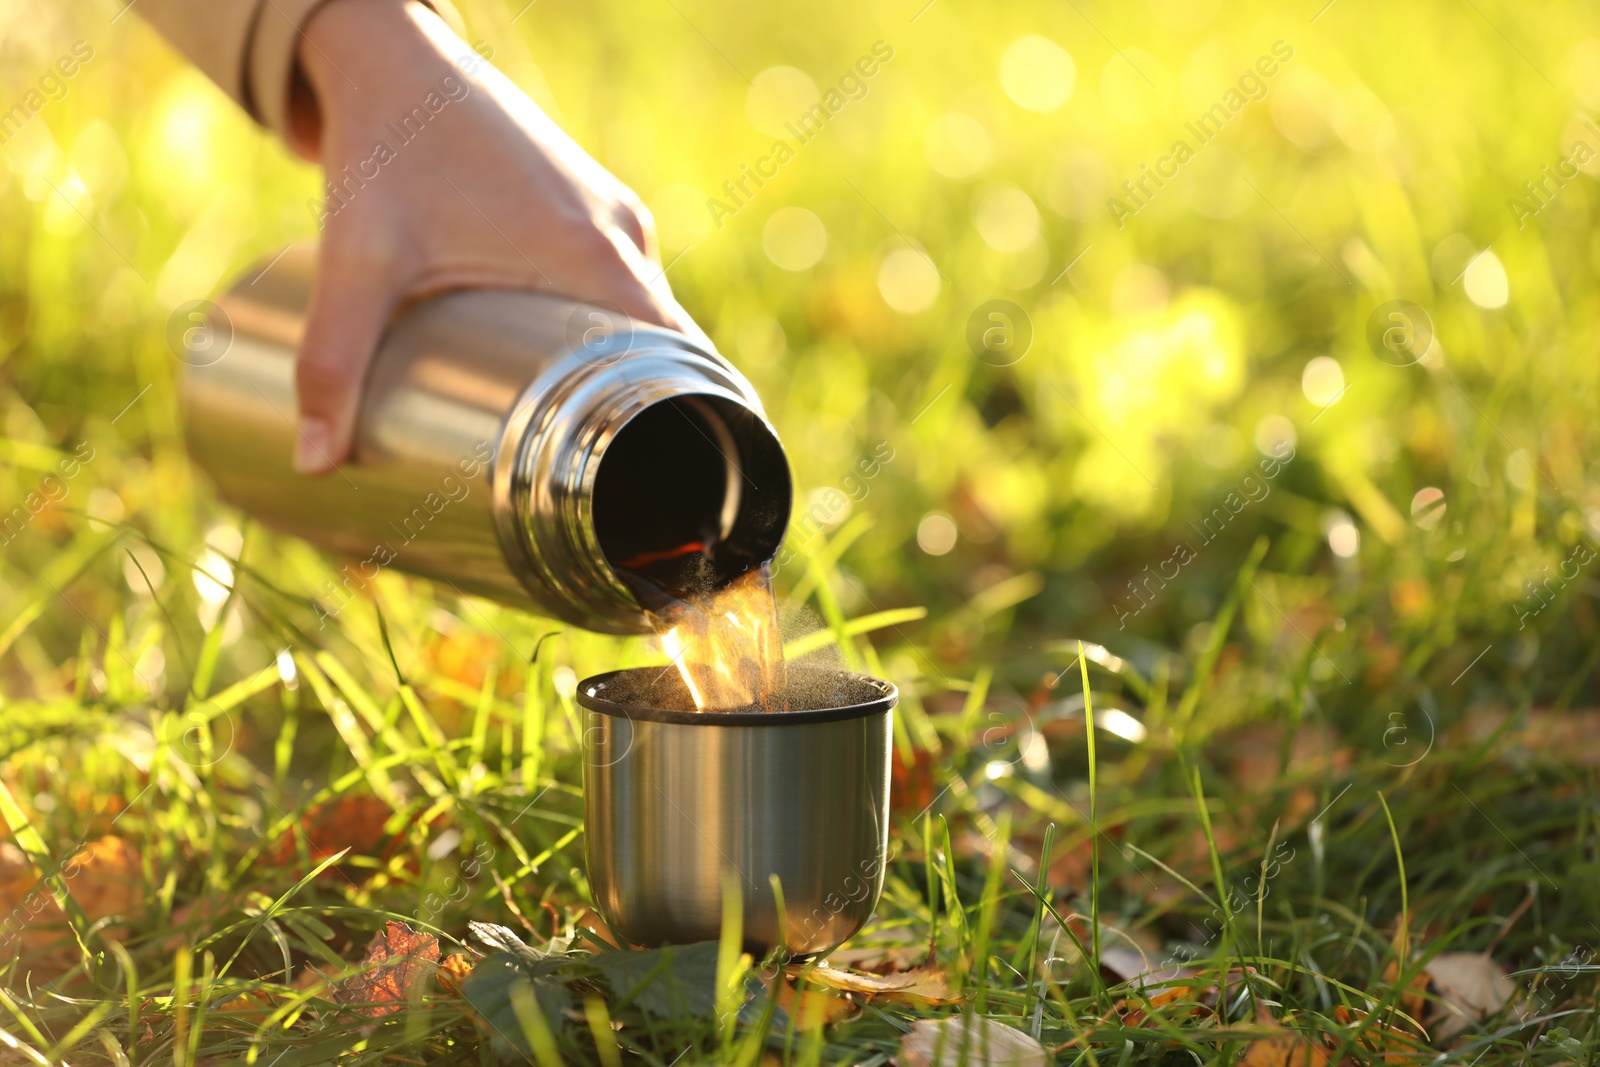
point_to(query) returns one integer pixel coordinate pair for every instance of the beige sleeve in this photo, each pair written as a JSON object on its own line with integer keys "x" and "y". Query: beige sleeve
{"x": 248, "y": 47}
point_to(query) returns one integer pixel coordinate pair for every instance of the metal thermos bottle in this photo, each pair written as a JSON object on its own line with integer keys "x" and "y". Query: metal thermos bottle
{"x": 514, "y": 445}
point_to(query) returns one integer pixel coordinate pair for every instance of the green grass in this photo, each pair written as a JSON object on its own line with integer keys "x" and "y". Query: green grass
{"x": 1349, "y": 765}
{"x": 1177, "y": 844}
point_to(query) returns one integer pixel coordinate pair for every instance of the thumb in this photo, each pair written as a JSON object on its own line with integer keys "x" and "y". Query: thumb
{"x": 349, "y": 309}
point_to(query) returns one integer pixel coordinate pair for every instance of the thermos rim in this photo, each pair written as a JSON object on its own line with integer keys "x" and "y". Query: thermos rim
{"x": 888, "y": 697}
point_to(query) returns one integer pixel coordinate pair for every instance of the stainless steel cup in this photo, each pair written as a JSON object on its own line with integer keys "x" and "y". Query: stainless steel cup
{"x": 679, "y": 801}
{"x": 516, "y": 445}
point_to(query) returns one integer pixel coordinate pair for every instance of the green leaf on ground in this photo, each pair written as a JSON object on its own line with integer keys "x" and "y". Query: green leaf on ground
{"x": 489, "y": 990}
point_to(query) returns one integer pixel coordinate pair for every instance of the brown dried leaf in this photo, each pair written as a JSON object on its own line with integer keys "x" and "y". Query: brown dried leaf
{"x": 398, "y": 961}
{"x": 938, "y": 1043}
{"x": 921, "y": 985}
{"x": 1471, "y": 986}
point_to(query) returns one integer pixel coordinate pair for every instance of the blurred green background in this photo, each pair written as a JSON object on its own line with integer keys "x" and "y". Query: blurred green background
{"x": 1215, "y": 323}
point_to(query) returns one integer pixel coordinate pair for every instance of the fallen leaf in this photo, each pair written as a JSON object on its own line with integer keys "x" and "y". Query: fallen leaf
{"x": 255, "y": 1005}
{"x": 105, "y": 878}
{"x": 963, "y": 1041}
{"x": 1124, "y": 964}
{"x": 596, "y": 925}
{"x": 504, "y": 939}
{"x": 1414, "y": 996}
{"x": 810, "y": 1008}
{"x": 1471, "y": 986}
{"x": 354, "y": 821}
{"x": 895, "y": 948}
{"x": 920, "y": 985}
{"x": 456, "y": 969}
{"x": 1566, "y": 734}
{"x": 490, "y": 991}
{"x": 912, "y": 788}
{"x": 1125, "y": 956}
{"x": 1393, "y": 1044}
{"x": 684, "y": 984}
{"x": 398, "y": 961}
{"x": 1282, "y": 1048}
{"x": 313, "y": 978}
{"x": 464, "y": 656}
{"x": 1136, "y": 1012}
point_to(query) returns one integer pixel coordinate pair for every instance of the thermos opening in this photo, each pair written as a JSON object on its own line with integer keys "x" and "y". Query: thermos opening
{"x": 691, "y": 482}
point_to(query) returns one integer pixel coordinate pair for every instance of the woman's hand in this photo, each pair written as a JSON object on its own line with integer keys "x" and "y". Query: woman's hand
{"x": 442, "y": 175}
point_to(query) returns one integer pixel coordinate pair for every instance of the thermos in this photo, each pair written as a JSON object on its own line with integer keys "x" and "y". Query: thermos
{"x": 515, "y": 445}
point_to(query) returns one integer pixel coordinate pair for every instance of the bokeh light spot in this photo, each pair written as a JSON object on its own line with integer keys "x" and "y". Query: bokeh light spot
{"x": 908, "y": 281}
{"x": 1486, "y": 282}
{"x": 776, "y": 96}
{"x": 1037, "y": 74}
{"x": 1275, "y": 435}
{"x": 1427, "y": 507}
{"x": 794, "y": 238}
{"x": 1343, "y": 537}
{"x": 1322, "y": 381}
{"x": 936, "y": 533}
{"x": 1007, "y": 219}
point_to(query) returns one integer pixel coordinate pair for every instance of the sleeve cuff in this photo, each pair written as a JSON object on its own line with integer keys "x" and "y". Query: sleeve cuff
{"x": 271, "y": 67}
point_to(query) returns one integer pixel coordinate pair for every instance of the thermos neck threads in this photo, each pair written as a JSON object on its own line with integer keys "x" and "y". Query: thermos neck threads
{"x": 635, "y": 460}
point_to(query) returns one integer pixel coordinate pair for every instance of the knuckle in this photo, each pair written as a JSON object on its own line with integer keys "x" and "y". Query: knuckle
{"x": 636, "y": 219}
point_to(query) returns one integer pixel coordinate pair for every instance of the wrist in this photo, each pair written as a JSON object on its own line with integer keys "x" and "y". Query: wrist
{"x": 358, "y": 53}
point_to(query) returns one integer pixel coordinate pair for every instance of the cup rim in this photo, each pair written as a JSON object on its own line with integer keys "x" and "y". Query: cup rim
{"x": 888, "y": 698}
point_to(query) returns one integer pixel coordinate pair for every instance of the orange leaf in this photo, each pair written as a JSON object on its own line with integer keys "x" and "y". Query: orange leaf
{"x": 1291, "y": 1050}
{"x": 454, "y": 970}
{"x": 597, "y": 926}
{"x": 104, "y": 877}
{"x": 1136, "y": 1014}
{"x": 1281, "y": 1048}
{"x": 811, "y": 1008}
{"x": 1394, "y": 1045}
{"x": 398, "y": 961}
{"x": 353, "y": 821}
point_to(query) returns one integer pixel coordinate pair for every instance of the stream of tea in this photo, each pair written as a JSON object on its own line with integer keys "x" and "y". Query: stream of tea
{"x": 725, "y": 642}
{"x": 728, "y": 648}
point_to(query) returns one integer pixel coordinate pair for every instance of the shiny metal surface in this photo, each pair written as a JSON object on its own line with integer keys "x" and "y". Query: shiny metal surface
{"x": 484, "y": 421}
{"x": 674, "y": 801}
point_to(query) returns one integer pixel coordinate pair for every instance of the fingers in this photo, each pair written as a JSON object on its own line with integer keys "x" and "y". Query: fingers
{"x": 348, "y": 311}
